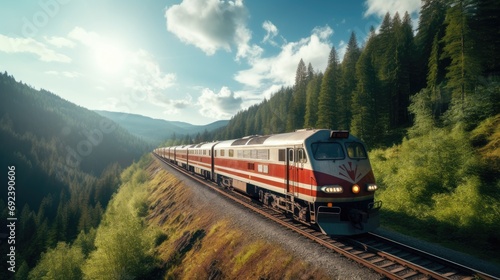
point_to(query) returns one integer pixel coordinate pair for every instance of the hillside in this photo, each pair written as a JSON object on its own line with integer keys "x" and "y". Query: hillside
{"x": 156, "y": 131}
{"x": 67, "y": 162}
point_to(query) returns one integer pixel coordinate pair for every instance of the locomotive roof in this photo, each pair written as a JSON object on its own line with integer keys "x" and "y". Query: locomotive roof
{"x": 291, "y": 138}
{"x": 204, "y": 145}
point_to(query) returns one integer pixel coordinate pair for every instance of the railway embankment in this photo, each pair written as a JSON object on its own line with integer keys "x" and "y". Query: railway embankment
{"x": 206, "y": 237}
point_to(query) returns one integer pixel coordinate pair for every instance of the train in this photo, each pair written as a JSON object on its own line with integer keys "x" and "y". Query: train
{"x": 320, "y": 177}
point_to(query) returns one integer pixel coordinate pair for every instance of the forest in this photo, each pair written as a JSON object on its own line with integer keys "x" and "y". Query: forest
{"x": 426, "y": 101}
{"x": 67, "y": 163}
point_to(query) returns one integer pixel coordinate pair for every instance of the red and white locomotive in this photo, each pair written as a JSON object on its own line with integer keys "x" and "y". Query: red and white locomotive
{"x": 321, "y": 177}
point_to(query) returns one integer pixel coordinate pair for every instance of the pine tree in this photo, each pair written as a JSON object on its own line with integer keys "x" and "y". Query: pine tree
{"x": 435, "y": 77}
{"x": 404, "y": 50}
{"x": 347, "y": 82}
{"x": 384, "y": 48}
{"x": 485, "y": 23}
{"x": 432, "y": 14}
{"x": 459, "y": 47}
{"x": 327, "y": 95}
{"x": 297, "y": 109}
{"x": 367, "y": 122}
{"x": 313, "y": 89}
{"x": 310, "y": 72}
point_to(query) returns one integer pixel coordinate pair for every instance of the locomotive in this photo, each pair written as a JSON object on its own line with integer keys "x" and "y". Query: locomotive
{"x": 321, "y": 177}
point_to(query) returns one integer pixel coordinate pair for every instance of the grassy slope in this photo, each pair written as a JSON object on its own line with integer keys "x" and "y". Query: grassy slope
{"x": 200, "y": 245}
{"x": 443, "y": 187}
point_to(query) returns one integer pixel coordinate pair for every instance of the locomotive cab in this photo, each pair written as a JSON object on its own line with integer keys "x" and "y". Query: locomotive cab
{"x": 345, "y": 185}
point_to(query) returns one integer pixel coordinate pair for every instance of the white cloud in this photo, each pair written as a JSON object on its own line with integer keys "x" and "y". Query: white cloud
{"x": 60, "y": 42}
{"x": 83, "y": 36}
{"x": 381, "y": 7}
{"x": 145, "y": 74}
{"x": 280, "y": 70}
{"x": 271, "y": 30}
{"x": 221, "y": 105}
{"x": 146, "y": 78}
{"x": 212, "y": 25}
{"x": 30, "y": 45}
{"x": 172, "y": 106}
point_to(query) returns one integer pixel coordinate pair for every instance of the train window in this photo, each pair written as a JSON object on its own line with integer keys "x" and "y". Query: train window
{"x": 327, "y": 151}
{"x": 231, "y": 153}
{"x": 290, "y": 155}
{"x": 355, "y": 150}
{"x": 301, "y": 156}
{"x": 263, "y": 154}
{"x": 281, "y": 154}
{"x": 222, "y": 153}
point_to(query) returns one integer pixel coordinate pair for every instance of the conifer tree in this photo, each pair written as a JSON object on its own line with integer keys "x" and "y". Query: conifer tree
{"x": 485, "y": 23}
{"x": 310, "y": 72}
{"x": 297, "y": 109}
{"x": 347, "y": 82}
{"x": 313, "y": 89}
{"x": 435, "y": 78}
{"x": 432, "y": 14}
{"x": 367, "y": 122}
{"x": 459, "y": 47}
{"x": 404, "y": 50}
{"x": 328, "y": 92}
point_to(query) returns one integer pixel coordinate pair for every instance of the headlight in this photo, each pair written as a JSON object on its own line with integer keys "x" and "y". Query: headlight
{"x": 355, "y": 188}
{"x": 371, "y": 187}
{"x": 332, "y": 189}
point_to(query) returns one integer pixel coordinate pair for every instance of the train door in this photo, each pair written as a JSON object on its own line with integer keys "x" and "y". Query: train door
{"x": 292, "y": 172}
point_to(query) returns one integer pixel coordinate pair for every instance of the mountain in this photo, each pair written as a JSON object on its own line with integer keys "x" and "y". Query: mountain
{"x": 156, "y": 131}
{"x": 64, "y": 164}
{"x": 46, "y": 135}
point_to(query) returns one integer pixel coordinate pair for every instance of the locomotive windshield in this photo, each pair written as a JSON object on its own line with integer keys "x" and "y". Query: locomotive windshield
{"x": 327, "y": 151}
{"x": 355, "y": 150}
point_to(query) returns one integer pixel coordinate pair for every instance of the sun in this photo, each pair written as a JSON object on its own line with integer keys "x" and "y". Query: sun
{"x": 110, "y": 58}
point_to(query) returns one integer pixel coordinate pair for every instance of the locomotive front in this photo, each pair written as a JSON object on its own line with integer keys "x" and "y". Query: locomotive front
{"x": 345, "y": 184}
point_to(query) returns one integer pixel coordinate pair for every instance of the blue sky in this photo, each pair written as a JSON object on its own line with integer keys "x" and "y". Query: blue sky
{"x": 196, "y": 61}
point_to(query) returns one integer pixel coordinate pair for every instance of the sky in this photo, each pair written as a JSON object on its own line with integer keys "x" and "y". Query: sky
{"x": 196, "y": 61}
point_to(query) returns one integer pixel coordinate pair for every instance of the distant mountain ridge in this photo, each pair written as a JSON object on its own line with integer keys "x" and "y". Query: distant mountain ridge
{"x": 54, "y": 143}
{"x": 156, "y": 131}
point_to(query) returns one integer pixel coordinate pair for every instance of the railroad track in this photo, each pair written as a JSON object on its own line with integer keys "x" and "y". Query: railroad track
{"x": 391, "y": 259}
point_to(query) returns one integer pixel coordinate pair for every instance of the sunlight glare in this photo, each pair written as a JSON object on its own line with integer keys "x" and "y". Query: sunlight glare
{"x": 109, "y": 58}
